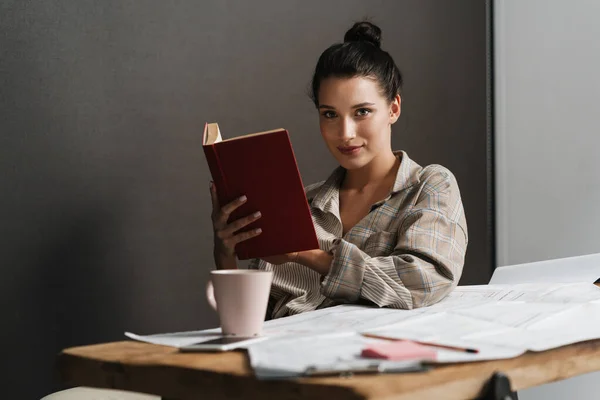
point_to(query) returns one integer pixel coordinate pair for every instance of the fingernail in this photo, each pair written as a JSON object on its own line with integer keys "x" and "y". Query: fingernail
{"x": 258, "y": 230}
{"x": 243, "y": 198}
{"x": 256, "y": 214}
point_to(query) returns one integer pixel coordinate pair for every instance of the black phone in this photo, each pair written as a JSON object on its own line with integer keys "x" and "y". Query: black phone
{"x": 223, "y": 343}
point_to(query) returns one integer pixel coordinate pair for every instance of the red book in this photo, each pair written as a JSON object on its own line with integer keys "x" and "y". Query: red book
{"x": 263, "y": 167}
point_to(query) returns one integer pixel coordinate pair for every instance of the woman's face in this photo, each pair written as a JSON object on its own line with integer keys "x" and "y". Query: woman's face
{"x": 356, "y": 120}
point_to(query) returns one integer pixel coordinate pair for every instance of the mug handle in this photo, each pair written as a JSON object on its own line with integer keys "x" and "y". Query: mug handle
{"x": 210, "y": 295}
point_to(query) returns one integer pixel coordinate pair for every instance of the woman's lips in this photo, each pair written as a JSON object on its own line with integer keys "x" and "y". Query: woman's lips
{"x": 349, "y": 150}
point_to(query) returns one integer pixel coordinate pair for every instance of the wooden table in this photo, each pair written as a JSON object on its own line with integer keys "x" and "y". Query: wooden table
{"x": 164, "y": 371}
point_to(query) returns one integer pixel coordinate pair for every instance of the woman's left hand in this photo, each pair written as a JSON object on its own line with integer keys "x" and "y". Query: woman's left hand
{"x": 317, "y": 260}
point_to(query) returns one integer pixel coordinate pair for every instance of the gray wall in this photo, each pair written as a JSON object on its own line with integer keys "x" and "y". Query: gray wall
{"x": 548, "y": 169}
{"x": 104, "y": 212}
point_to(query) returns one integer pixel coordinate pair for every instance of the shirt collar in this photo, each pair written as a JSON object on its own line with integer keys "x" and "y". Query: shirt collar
{"x": 329, "y": 191}
{"x": 327, "y": 198}
{"x": 408, "y": 173}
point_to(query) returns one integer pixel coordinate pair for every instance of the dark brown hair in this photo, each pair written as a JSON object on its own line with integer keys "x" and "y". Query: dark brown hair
{"x": 359, "y": 55}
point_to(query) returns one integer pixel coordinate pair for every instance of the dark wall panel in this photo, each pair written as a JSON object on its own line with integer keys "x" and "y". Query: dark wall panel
{"x": 104, "y": 206}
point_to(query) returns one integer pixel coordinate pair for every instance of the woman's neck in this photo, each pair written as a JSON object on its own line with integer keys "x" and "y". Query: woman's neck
{"x": 381, "y": 169}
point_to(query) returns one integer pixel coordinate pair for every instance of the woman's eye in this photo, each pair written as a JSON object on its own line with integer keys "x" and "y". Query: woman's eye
{"x": 363, "y": 111}
{"x": 329, "y": 114}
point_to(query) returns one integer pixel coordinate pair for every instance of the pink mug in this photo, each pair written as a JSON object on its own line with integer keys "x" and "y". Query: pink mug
{"x": 240, "y": 297}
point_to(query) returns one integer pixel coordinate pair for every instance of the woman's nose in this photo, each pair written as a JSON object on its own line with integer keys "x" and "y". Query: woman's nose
{"x": 347, "y": 131}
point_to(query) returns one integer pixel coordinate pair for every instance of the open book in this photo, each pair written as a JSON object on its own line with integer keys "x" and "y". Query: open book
{"x": 262, "y": 166}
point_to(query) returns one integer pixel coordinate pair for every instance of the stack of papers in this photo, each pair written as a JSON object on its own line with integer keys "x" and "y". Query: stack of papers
{"x": 500, "y": 320}
{"x": 340, "y": 353}
{"x": 504, "y": 321}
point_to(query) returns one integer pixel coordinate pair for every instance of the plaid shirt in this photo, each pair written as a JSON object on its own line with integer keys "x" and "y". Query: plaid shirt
{"x": 408, "y": 252}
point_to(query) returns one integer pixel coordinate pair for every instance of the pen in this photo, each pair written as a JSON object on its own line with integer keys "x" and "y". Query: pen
{"x": 442, "y": 346}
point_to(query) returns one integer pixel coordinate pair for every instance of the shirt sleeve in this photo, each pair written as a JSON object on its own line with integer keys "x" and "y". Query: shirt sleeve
{"x": 426, "y": 260}
{"x": 254, "y": 263}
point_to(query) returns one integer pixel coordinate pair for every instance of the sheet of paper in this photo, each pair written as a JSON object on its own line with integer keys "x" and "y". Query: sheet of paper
{"x": 486, "y": 352}
{"x": 580, "y": 323}
{"x": 451, "y": 329}
{"x": 177, "y": 339}
{"x": 525, "y": 317}
{"x": 527, "y": 292}
{"x": 442, "y": 328}
{"x": 291, "y": 357}
{"x": 563, "y": 270}
{"x": 513, "y": 314}
{"x": 345, "y": 318}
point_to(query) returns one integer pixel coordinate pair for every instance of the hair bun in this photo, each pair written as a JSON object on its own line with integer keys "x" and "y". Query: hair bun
{"x": 364, "y": 32}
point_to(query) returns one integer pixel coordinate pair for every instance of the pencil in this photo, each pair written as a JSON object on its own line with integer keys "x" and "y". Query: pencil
{"x": 442, "y": 346}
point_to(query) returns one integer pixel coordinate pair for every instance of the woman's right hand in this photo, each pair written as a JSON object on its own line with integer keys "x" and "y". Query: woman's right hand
{"x": 225, "y": 233}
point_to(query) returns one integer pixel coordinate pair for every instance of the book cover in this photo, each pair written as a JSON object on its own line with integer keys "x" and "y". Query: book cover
{"x": 263, "y": 167}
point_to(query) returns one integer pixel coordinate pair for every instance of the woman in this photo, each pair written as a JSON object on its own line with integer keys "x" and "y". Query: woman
{"x": 391, "y": 233}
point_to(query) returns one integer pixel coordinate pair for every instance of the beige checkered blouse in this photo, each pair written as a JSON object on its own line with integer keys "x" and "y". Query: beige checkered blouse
{"x": 408, "y": 252}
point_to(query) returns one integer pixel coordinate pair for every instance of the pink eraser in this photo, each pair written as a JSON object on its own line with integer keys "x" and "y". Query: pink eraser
{"x": 399, "y": 350}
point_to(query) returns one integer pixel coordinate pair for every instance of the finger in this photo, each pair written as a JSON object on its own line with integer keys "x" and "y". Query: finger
{"x": 240, "y": 223}
{"x": 228, "y": 208}
{"x": 240, "y": 237}
{"x": 213, "y": 197}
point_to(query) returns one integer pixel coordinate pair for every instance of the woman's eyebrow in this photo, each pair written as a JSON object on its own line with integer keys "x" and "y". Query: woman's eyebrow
{"x": 354, "y": 106}
{"x": 363, "y": 104}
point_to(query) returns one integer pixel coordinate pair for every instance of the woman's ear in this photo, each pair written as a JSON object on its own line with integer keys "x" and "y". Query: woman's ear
{"x": 395, "y": 108}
